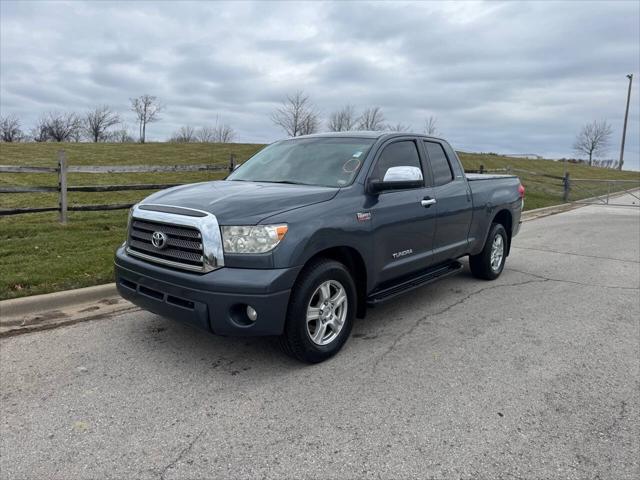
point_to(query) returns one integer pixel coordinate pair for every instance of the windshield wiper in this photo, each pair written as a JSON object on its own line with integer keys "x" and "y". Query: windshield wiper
{"x": 290, "y": 182}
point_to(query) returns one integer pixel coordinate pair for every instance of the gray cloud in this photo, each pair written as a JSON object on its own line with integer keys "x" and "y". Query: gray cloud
{"x": 500, "y": 76}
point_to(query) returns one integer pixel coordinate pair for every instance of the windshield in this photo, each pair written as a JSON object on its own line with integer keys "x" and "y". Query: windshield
{"x": 330, "y": 162}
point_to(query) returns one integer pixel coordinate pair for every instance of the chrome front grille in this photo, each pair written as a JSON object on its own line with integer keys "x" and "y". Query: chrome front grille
{"x": 188, "y": 242}
{"x": 143, "y": 231}
{"x": 182, "y": 243}
{"x": 186, "y": 232}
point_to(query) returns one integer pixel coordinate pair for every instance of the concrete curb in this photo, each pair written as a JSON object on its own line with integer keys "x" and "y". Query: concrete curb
{"x": 546, "y": 211}
{"x": 565, "y": 207}
{"x": 17, "y": 307}
{"x": 59, "y": 318}
{"x": 41, "y": 312}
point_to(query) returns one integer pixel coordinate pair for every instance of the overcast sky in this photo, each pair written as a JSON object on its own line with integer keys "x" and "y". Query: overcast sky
{"x": 506, "y": 77}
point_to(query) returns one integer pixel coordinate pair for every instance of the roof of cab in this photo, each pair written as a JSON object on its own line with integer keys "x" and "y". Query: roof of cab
{"x": 364, "y": 134}
{"x": 353, "y": 134}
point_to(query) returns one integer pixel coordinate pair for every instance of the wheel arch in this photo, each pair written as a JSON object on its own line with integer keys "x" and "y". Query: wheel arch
{"x": 505, "y": 218}
{"x": 353, "y": 260}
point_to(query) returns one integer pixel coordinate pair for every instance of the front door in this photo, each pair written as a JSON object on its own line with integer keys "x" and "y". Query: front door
{"x": 403, "y": 228}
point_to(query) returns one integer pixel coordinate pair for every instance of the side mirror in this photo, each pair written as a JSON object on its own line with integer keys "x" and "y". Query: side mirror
{"x": 397, "y": 178}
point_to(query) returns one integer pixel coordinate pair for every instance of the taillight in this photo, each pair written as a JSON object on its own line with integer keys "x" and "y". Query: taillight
{"x": 521, "y": 191}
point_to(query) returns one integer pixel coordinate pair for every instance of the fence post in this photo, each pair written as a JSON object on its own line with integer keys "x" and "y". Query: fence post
{"x": 232, "y": 162}
{"x": 62, "y": 186}
{"x": 566, "y": 185}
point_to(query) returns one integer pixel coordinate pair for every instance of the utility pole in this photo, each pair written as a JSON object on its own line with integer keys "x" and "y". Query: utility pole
{"x": 624, "y": 128}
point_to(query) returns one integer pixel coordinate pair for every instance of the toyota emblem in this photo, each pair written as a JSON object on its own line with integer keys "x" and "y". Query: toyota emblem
{"x": 159, "y": 240}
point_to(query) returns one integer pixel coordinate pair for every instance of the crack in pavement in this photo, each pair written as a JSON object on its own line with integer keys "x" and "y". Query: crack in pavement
{"x": 573, "y": 282}
{"x": 618, "y": 418}
{"x": 574, "y": 254}
{"x": 182, "y": 453}
{"x": 538, "y": 279}
{"x": 445, "y": 310}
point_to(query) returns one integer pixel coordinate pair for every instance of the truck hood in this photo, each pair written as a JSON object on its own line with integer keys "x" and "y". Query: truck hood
{"x": 241, "y": 203}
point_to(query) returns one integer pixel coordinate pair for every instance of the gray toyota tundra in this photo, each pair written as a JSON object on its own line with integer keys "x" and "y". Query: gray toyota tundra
{"x": 310, "y": 231}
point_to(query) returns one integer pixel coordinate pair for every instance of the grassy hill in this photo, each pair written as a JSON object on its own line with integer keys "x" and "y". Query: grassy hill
{"x": 46, "y": 154}
{"x": 39, "y": 255}
{"x": 536, "y": 175}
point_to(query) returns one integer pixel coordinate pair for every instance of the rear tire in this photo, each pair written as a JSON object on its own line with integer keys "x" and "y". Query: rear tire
{"x": 489, "y": 263}
{"x": 321, "y": 311}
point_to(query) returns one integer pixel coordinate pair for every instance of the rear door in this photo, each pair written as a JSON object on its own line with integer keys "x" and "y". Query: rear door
{"x": 403, "y": 229}
{"x": 454, "y": 206}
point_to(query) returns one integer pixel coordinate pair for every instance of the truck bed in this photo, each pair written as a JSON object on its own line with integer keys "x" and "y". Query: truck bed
{"x": 472, "y": 177}
{"x": 490, "y": 192}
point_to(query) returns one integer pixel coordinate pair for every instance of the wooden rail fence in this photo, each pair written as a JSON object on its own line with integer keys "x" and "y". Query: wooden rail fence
{"x": 63, "y": 169}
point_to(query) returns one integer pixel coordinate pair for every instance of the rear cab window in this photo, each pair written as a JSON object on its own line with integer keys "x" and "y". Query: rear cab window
{"x": 440, "y": 165}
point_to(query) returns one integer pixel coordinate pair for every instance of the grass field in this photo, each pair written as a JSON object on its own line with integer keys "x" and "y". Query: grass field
{"x": 38, "y": 255}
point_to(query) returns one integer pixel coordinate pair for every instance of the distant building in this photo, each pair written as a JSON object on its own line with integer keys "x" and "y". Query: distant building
{"x": 528, "y": 156}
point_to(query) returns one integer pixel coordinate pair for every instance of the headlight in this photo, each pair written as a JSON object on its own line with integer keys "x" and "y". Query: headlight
{"x": 252, "y": 239}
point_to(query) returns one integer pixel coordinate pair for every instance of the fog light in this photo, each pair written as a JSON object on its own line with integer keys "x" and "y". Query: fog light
{"x": 251, "y": 313}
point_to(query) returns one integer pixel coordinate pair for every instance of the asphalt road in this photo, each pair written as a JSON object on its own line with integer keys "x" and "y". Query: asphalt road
{"x": 534, "y": 375}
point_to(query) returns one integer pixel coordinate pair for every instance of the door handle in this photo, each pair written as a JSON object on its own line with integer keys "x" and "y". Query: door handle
{"x": 427, "y": 202}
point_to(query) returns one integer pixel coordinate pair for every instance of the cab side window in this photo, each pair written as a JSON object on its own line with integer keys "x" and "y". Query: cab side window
{"x": 440, "y": 166}
{"x": 398, "y": 154}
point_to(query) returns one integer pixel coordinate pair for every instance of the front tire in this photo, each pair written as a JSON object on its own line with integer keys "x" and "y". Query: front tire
{"x": 321, "y": 311}
{"x": 489, "y": 263}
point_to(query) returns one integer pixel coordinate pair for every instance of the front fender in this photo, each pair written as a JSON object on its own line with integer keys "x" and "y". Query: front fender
{"x": 319, "y": 227}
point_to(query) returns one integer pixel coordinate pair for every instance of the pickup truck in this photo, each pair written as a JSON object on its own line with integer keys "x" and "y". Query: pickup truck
{"x": 305, "y": 235}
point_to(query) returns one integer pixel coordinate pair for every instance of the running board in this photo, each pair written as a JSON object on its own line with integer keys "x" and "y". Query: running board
{"x": 421, "y": 279}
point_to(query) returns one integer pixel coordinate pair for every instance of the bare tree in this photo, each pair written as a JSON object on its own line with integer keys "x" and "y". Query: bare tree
{"x": 310, "y": 125}
{"x": 39, "y": 133}
{"x": 10, "y": 130}
{"x": 206, "y": 134}
{"x": 98, "y": 121}
{"x": 593, "y": 139}
{"x": 371, "y": 119}
{"x": 297, "y": 115}
{"x": 398, "y": 127}
{"x": 120, "y": 135}
{"x": 343, "y": 120}
{"x": 185, "y": 134}
{"x": 222, "y": 133}
{"x": 431, "y": 125}
{"x": 63, "y": 127}
{"x": 147, "y": 108}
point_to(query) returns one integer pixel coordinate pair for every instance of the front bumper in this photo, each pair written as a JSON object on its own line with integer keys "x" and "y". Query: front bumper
{"x": 215, "y": 301}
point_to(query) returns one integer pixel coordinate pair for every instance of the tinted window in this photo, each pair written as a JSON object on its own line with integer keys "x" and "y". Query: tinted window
{"x": 439, "y": 164}
{"x": 398, "y": 154}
